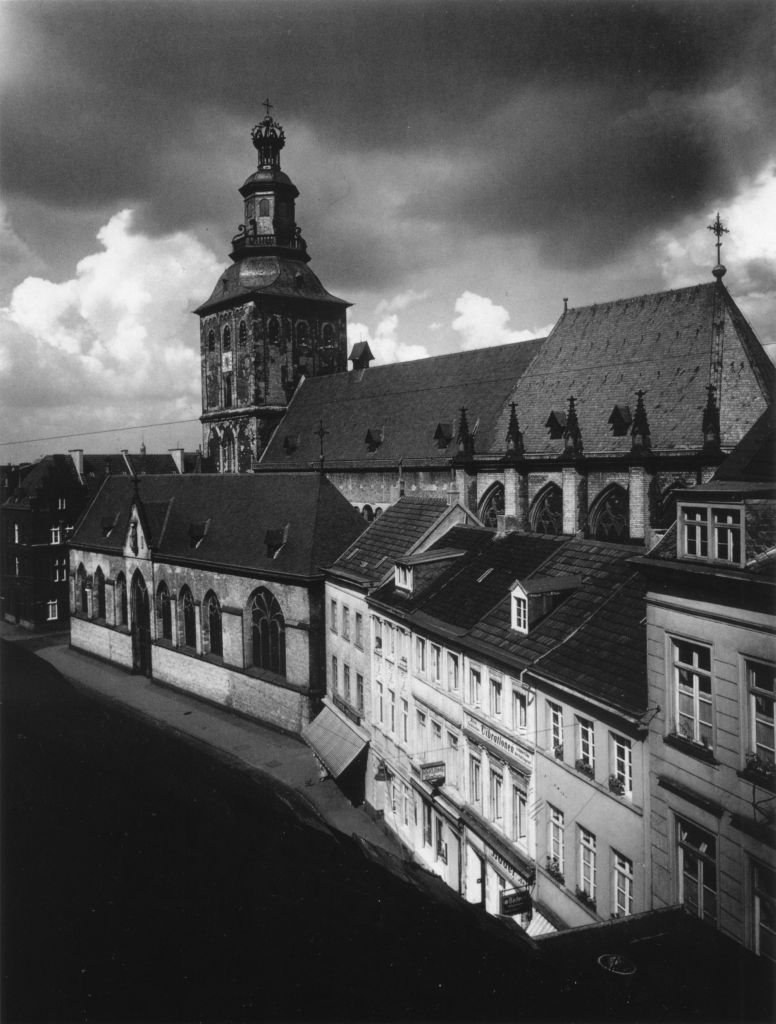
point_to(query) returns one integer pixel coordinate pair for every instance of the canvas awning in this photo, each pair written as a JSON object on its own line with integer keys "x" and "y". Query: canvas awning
{"x": 334, "y": 740}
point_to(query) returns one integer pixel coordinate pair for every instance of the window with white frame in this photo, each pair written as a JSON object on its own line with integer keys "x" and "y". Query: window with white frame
{"x": 475, "y": 779}
{"x": 380, "y": 703}
{"x": 378, "y": 628}
{"x": 475, "y": 685}
{"x": 392, "y": 711}
{"x": 405, "y": 717}
{"x": 420, "y": 731}
{"x": 555, "y": 851}
{"x": 712, "y": 532}
{"x": 587, "y": 863}
{"x": 452, "y": 671}
{"x": 436, "y": 738}
{"x": 496, "y": 692}
{"x": 420, "y": 654}
{"x": 61, "y": 504}
{"x": 621, "y": 780}
{"x": 359, "y": 638}
{"x": 519, "y": 815}
{"x": 441, "y": 845}
{"x": 53, "y": 610}
{"x": 56, "y": 534}
{"x": 359, "y": 693}
{"x": 697, "y": 867}
{"x": 17, "y": 566}
{"x": 519, "y": 610}
{"x": 345, "y": 622}
{"x": 346, "y": 682}
{"x": 427, "y": 823}
{"x": 333, "y": 616}
{"x": 764, "y": 907}
{"x": 555, "y": 717}
{"x": 16, "y": 534}
{"x": 334, "y": 675}
{"x": 391, "y": 640}
{"x": 692, "y": 691}
{"x": 519, "y": 710}
{"x": 405, "y": 802}
{"x": 761, "y": 687}
{"x": 452, "y": 768}
{"x": 436, "y": 664}
{"x": 586, "y": 745}
{"x": 622, "y": 885}
{"x": 403, "y": 577}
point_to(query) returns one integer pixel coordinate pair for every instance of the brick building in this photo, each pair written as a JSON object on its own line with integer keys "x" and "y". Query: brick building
{"x": 212, "y": 585}
{"x": 269, "y": 321}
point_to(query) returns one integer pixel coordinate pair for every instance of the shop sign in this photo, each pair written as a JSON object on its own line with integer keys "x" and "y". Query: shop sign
{"x": 516, "y": 901}
{"x": 503, "y": 862}
{"x": 521, "y": 756}
{"x": 434, "y": 771}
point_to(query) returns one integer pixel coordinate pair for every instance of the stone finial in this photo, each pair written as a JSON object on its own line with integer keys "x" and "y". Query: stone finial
{"x": 640, "y": 438}
{"x": 464, "y": 439}
{"x": 514, "y": 436}
{"x": 572, "y": 434}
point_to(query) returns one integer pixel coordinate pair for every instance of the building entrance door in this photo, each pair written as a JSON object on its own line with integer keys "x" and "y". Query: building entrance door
{"x": 141, "y": 626}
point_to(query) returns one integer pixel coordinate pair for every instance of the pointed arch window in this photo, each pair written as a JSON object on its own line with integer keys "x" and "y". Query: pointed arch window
{"x": 211, "y": 341}
{"x": 273, "y": 331}
{"x": 227, "y": 452}
{"x": 264, "y": 207}
{"x": 164, "y": 611}
{"x": 120, "y": 592}
{"x": 189, "y": 618}
{"x": 268, "y": 632}
{"x": 609, "y": 515}
{"x": 546, "y": 514}
{"x": 81, "y": 599}
{"x": 227, "y": 338}
{"x": 492, "y": 506}
{"x": 243, "y": 334}
{"x": 99, "y": 594}
{"x": 214, "y": 629}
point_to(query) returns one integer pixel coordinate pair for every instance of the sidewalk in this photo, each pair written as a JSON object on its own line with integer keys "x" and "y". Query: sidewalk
{"x": 237, "y": 740}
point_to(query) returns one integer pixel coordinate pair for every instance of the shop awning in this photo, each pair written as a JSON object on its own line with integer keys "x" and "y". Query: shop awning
{"x": 334, "y": 740}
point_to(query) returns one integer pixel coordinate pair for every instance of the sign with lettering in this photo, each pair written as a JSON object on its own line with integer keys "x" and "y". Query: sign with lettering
{"x": 521, "y": 756}
{"x": 433, "y": 772}
{"x": 516, "y": 901}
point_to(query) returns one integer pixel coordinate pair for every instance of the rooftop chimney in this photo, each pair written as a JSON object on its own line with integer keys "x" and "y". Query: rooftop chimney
{"x": 177, "y": 458}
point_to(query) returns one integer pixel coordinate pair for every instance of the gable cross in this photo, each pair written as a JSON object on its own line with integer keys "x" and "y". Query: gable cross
{"x": 267, "y": 106}
{"x": 719, "y": 231}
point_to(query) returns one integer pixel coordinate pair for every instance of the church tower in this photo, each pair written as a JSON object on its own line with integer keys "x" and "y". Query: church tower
{"x": 269, "y": 321}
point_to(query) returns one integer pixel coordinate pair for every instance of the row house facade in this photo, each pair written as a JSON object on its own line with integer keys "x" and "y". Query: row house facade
{"x": 212, "y": 585}
{"x": 711, "y": 622}
{"x": 504, "y": 773}
{"x": 340, "y": 736}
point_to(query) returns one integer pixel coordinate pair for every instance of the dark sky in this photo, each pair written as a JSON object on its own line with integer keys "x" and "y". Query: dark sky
{"x": 462, "y": 167}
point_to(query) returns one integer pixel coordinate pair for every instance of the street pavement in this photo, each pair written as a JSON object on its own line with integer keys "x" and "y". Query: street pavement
{"x": 243, "y": 743}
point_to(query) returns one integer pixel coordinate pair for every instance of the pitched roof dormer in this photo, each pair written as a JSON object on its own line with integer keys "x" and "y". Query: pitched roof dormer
{"x": 361, "y": 355}
{"x": 556, "y": 424}
{"x": 443, "y": 434}
{"x": 374, "y": 438}
{"x": 620, "y": 420}
{"x": 532, "y": 599}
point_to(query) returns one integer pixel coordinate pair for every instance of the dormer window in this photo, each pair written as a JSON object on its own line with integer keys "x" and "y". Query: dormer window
{"x": 556, "y": 423}
{"x": 403, "y": 577}
{"x": 519, "y": 601}
{"x": 443, "y": 434}
{"x": 290, "y": 443}
{"x": 620, "y": 420}
{"x": 374, "y": 438}
{"x": 711, "y": 532}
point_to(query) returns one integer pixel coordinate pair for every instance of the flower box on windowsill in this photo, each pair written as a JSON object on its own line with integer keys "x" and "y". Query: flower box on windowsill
{"x": 583, "y": 765}
{"x": 616, "y": 785}
{"x": 761, "y": 772}
{"x": 558, "y": 751}
{"x": 584, "y": 897}
{"x": 553, "y": 869}
{"x": 697, "y": 750}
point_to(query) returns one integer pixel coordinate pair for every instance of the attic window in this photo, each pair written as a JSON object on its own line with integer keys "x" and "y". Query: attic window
{"x": 290, "y": 443}
{"x": 374, "y": 438}
{"x": 197, "y": 532}
{"x": 354, "y": 552}
{"x": 443, "y": 434}
{"x": 403, "y": 577}
{"x": 620, "y": 420}
{"x": 519, "y": 610}
{"x": 556, "y": 422}
{"x": 485, "y": 575}
{"x": 275, "y": 540}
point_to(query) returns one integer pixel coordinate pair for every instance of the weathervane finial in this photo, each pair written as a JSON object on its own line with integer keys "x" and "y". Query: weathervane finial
{"x": 719, "y": 230}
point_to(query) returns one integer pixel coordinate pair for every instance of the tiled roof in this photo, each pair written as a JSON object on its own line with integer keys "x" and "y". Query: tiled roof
{"x": 407, "y": 402}
{"x": 397, "y": 530}
{"x": 47, "y": 475}
{"x": 241, "y": 510}
{"x": 754, "y": 459}
{"x": 662, "y": 344}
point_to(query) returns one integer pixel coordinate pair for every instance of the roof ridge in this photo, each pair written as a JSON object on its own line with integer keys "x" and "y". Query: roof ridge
{"x": 701, "y": 285}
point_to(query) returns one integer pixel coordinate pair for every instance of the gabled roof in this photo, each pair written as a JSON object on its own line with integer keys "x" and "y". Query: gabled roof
{"x": 242, "y": 510}
{"x": 409, "y": 399}
{"x": 662, "y": 344}
{"x": 395, "y": 533}
{"x": 44, "y": 477}
{"x": 754, "y": 459}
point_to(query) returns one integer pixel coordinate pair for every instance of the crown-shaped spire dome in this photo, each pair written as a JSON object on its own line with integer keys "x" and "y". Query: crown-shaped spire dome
{"x": 268, "y": 138}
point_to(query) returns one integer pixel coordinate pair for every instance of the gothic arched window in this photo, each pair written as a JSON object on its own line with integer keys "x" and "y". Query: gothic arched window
{"x": 213, "y": 448}
{"x": 163, "y": 611}
{"x": 264, "y": 207}
{"x": 273, "y": 330}
{"x": 189, "y": 618}
{"x": 211, "y": 341}
{"x": 609, "y": 515}
{"x": 227, "y": 338}
{"x": 212, "y": 610}
{"x": 81, "y": 600}
{"x": 243, "y": 334}
{"x": 98, "y": 594}
{"x": 120, "y": 598}
{"x": 227, "y": 451}
{"x": 492, "y": 505}
{"x": 368, "y": 513}
{"x": 546, "y": 515}
{"x": 268, "y": 632}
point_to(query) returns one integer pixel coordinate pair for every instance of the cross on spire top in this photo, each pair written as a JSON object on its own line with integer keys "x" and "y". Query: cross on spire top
{"x": 268, "y": 106}
{"x": 719, "y": 230}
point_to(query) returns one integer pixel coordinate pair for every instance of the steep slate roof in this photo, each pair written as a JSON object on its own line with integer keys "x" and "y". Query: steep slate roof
{"x": 754, "y": 459}
{"x": 47, "y": 474}
{"x": 240, "y": 508}
{"x": 96, "y": 466}
{"x": 400, "y": 527}
{"x": 409, "y": 400}
{"x": 660, "y": 343}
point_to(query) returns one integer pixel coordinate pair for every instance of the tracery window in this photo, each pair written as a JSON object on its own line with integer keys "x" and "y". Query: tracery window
{"x": 492, "y": 506}
{"x": 268, "y": 632}
{"x": 99, "y": 594}
{"x": 164, "y": 611}
{"x": 609, "y": 515}
{"x": 273, "y": 330}
{"x": 120, "y": 592}
{"x": 546, "y": 514}
{"x": 227, "y": 338}
{"x": 81, "y": 600}
{"x": 213, "y": 619}
{"x": 243, "y": 334}
{"x": 189, "y": 618}
{"x": 211, "y": 341}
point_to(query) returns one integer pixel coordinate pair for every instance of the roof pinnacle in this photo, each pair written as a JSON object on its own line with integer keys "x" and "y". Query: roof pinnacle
{"x": 719, "y": 230}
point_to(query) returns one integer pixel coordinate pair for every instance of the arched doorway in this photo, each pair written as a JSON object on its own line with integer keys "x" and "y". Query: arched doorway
{"x": 141, "y": 626}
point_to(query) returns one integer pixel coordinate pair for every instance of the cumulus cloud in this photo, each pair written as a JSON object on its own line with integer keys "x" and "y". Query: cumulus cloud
{"x": 400, "y": 301}
{"x": 384, "y": 343}
{"x": 116, "y": 344}
{"x": 481, "y": 323}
